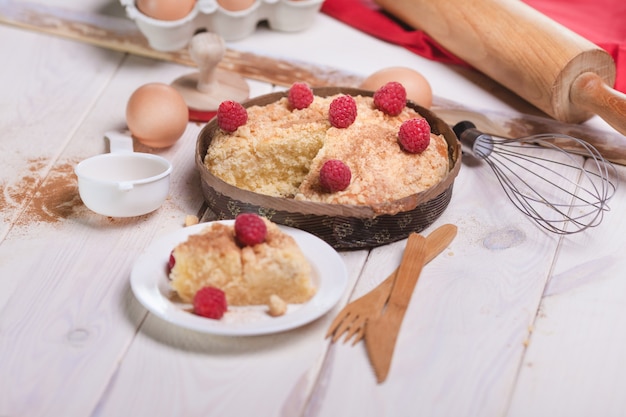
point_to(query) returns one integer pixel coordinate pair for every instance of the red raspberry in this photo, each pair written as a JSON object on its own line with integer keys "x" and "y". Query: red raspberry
{"x": 342, "y": 111}
{"x": 210, "y": 302}
{"x": 171, "y": 262}
{"x": 300, "y": 96}
{"x": 335, "y": 176}
{"x": 250, "y": 229}
{"x": 414, "y": 135}
{"x": 390, "y": 98}
{"x": 231, "y": 115}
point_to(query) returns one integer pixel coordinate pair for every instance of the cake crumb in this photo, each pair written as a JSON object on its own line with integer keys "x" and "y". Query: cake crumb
{"x": 190, "y": 220}
{"x": 277, "y": 306}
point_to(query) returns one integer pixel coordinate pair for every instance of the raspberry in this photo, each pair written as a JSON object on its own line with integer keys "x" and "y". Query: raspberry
{"x": 210, "y": 302}
{"x": 300, "y": 96}
{"x": 334, "y": 176}
{"x": 390, "y": 98}
{"x": 171, "y": 262}
{"x": 250, "y": 229}
{"x": 342, "y": 111}
{"x": 414, "y": 135}
{"x": 231, "y": 115}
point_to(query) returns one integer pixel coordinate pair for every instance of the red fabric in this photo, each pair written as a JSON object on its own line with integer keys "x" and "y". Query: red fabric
{"x": 201, "y": 115}
{"x": 602, "y": 22}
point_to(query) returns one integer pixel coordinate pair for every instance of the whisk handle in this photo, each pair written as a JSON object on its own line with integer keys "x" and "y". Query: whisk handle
{"x": 592, "y": 93}
{"x": 473, "y": 140}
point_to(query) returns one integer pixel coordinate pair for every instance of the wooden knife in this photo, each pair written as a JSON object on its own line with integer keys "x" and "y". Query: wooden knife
{"x": 381, "y": 332}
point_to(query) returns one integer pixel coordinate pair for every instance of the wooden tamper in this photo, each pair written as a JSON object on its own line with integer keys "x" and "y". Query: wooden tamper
{"x": 204, "y": 90}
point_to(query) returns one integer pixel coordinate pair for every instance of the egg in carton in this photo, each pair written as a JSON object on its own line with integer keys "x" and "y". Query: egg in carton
{"x": 218, "y": 17}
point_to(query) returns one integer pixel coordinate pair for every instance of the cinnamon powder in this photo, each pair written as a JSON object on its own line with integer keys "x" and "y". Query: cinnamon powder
{"x": 50, "y": 201}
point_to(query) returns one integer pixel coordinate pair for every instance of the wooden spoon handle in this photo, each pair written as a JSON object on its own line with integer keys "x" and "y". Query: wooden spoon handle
{"x": 590, "y": 92}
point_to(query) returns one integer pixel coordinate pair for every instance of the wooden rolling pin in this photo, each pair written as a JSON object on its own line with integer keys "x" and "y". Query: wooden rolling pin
{"x": 543, "y": 62}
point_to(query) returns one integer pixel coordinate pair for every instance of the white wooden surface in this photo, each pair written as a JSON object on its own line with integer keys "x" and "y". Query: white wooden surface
{"x": 508, "y": 321}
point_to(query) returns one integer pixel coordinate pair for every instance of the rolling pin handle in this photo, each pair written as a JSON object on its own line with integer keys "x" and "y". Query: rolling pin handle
{"x": 591, "y": 93}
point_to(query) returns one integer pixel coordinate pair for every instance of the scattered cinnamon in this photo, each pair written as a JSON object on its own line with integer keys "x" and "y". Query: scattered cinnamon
{"x": 48, "y": 199}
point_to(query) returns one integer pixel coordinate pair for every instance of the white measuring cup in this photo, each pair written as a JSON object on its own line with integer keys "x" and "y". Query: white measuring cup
{"x": 123, "y": 183}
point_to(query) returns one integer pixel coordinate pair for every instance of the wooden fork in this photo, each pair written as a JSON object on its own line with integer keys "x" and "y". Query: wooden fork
{"x": 352, "y": 318}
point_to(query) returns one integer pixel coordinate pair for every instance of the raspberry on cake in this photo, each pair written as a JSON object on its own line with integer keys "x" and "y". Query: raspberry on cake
{"x": 390, "y": 98}
{"x": 250, "y": 229}
{"x": 300, "y": 96}
{"x": 342, "y": 112}
{"x": 231, "y": 115}
{"x": 414, "y": 135}
{"x": 210, "y": 302}
{"x": 247, "y": 275}
{"x": 334, "y": 176}
{"x": 170, "y": 262}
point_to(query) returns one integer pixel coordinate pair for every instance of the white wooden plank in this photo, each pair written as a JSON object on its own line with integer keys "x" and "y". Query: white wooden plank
{"x": 575, "y": 363}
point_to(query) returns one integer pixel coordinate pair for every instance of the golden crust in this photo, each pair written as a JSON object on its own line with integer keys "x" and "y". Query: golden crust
{"x": 280, "y": 151}
{"x": 247, "y": 275}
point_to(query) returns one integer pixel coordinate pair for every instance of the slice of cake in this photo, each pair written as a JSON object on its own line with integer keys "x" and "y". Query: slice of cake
{"x": 249, "y": 274}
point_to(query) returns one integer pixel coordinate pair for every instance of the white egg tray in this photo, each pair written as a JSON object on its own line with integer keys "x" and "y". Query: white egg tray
{"x": 281, "y": 15}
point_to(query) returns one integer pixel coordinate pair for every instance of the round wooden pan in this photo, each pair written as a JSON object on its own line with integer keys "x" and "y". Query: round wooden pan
{"x": 342, "y": 226}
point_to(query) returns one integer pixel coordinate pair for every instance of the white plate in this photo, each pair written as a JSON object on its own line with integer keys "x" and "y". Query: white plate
{"x": 151, "y": 286}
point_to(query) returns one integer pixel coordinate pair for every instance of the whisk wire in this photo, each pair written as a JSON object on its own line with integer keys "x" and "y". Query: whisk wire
{"x": 523, "y": 199}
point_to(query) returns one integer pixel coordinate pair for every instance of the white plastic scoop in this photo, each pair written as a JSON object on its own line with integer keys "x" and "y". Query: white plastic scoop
{"x": 123, "y": 183}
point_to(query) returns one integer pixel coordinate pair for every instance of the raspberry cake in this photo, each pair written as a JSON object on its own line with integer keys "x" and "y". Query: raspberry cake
{"x": 279, "y": 149}
{"x": 248, "y": 273}
{"x": 291, "y": 160}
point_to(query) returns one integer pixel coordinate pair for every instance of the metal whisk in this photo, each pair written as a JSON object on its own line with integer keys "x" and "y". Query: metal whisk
{"x": 563, "y": 191}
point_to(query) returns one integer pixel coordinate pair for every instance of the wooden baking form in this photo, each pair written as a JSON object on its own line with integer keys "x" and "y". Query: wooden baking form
{"x": 342, "y": 226}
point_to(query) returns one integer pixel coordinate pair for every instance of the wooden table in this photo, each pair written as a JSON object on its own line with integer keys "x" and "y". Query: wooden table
{"x": 508, "y": 321}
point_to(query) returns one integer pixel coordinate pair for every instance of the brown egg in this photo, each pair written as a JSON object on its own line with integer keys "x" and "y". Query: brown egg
{"x": 166, "y": 9}
{"x": 157, "y": 115}
{"x": 235, "y": 5}
{"x": 417, "y": 87}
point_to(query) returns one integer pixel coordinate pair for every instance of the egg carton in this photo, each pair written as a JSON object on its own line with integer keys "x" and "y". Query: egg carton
{"x": 281, "y": 15}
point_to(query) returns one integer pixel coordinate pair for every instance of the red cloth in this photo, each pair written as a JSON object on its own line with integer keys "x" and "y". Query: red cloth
{"x": 602, "y": 22}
